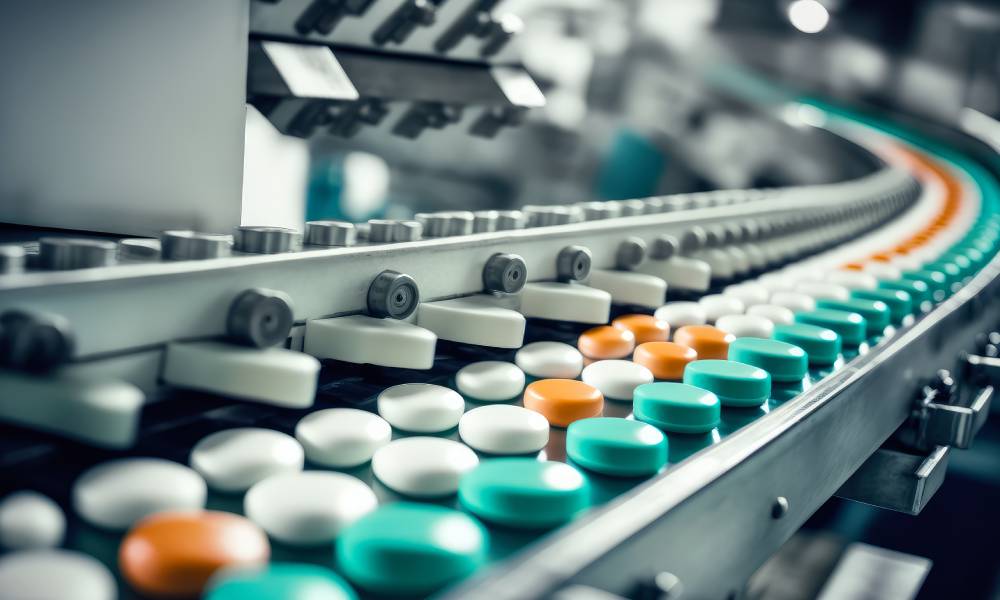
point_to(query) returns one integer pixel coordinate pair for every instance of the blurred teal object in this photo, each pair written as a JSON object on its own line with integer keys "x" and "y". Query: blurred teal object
{"x": 325, "y": 189}
{"x": 632, "y": 168}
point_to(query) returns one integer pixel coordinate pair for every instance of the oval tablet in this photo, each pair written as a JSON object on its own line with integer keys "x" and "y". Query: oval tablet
{"x": 614, "y": 446}
{"x": 665, "y": 360}
{"x": 176, "y": 553}
{"x": 342, "y": 437}
{"x": 786, "y": 363}
{"x": 718, "y": 305}
{"x": 677, "y": 407}
{"x": 850, "y": 326}
{"x": 746, "y": 326}
{"x": 408, "y": 548}
{"x": 821, "y": 345}
{"x": 524, "y": 492}
{"x": 504, "y": 429}
{"x": 117, "y": 493}
{"x": 234, "y": 459}
{"x": 308, "y": 508}
{"x": 490, "y": 381}
{"x": 778, "y": 315}
{"x": 423, "y": 466}
{"x": 550, "y": 359}
{"x": 562, "y": 401}
{"x": 421, "y": 407}
{"x": 679, "y": 314}
{"x": 29, "y": 520}
{"x": 280, "y": 581}
{"x": 606, "y": 342}
{"x": 616, "y": 378}
{"x": 54, "y": 574}
{"x": 736, "y": 384}
{"x": 793, "y": 301}
{"x": 706, "y": 340}
{"x": 645, "y": 328}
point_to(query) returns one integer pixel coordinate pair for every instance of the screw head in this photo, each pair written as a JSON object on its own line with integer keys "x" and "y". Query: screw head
{"x": 393, "y": 295}
{"x": 33, "y": 341}
{"x": 505, "y": 273}
{"x": 260, "y": 318}
{"x": 631, "y": 253}
{"x": 780, "y": 507}
{"x": 573, "y": 264}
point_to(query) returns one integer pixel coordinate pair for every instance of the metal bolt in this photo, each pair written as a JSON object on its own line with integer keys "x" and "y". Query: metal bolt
{"x": 484, "y": 221}
{"x": 34, "y": 341}
{"x": 510, "y": 219}
{"x": 573, "y": 264}
{"x": 394, "y": 295}
{"x": 12, "y": 258}
{"x": 407, "y": 231}
{"x": 693, "y": 240}
{"x": 505, "y": 273}
{"x": 192, "y": 245}
{"x": 664, "y": 247}
{"x": 779, "y": 508}
{"x": 267, "y": 240}
{"x": 330, "y": 233}
{"x": 631, "y": 253}
{"x": 138, "y": 249}
{"x": 75, "y": 253}
{"x": 260, "y": 317}
{"x": 380, "y": 230}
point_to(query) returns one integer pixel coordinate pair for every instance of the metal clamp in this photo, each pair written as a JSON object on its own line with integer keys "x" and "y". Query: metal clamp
{"x": 953, "y": 425}
{"x": 897, "y": 480}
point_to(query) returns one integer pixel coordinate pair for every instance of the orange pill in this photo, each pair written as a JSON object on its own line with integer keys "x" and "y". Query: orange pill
{"x": 645, "y": 328}
{"x": 562, "y": 401}
{"x": 175, "y": 553}
{"x": 606, "y": 342}
{"x": 665, "y": 360}
{"x": 707, "y": 341}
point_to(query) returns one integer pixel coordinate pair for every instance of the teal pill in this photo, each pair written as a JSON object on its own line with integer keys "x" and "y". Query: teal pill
{"x": 935, "y": 280}
{"x": 736, "y": 384}
{"x": 875, "y": 312}
{"x": 918, "y": 290}
{"x": 614, "y": 446}
{"x": 821, "y": 345}
{"x": 524, "y": 492}
{"x": 785, "y": 362}
{"x": 287, "y": 581}
{"x": 850, "y": 326}
{"x": 409, "y": 548}
{"x": 900, "y": 303}
{"x": 949, "y": 269}
{"x": 676, "y": 407}
{"x": 964, "y": 264}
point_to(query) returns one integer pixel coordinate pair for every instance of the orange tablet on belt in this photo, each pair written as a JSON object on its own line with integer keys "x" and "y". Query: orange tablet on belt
{"x": 707, "y": 341}
{"x": 562, "y": 401}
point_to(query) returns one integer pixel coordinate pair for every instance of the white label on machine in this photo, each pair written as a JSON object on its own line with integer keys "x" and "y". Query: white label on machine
{"x": 310, "y": 71}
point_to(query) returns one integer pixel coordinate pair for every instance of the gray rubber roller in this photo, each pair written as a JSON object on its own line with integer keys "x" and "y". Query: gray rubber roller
{"x": 260, "y": 317}
{"x": 505, "y": 273}
{"x": 573, "y": 264}
{"x": 631, "y": 253}
{"x": 394, "y": 295}
{"x": 34, "y": 341}
{"x": 664, "y": 247}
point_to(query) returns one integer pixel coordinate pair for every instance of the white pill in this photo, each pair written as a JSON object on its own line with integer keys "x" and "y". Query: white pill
{"x": 822, "y": 290}
{"x": 746, "y": 326}
{"x": 794, "y": 301}
{"x": 717, "y": 305}
{"x": 550, "y": 360}
{"x": 616, "y": 379}
{"x": 423, "y": 466}
{"x": 777, "y": 282}
{"x": 235, "y": 459}
{"x": 342, "y": 437}
{"x": 29, "y": 520}
{"x": 565, "y": 302}
{"x": 853, "y": 279}
{"x": 117, "y": 493}
{"x": 54, "y": 574}
{"x": 679, "y": 314}
{"x": 779, "y": 315}
{"x": 421, "y": 407}
{"x": 883, "y": 270}
{"x": 750, "y": 294}
{"x": 490, "y": 380}
{"x": 504, "y": 429}
{"x": 308, "y": 508}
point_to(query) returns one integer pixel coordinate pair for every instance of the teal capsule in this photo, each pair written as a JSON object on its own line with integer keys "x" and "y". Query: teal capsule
{"x": 676, "y": 407}
{"x": 736, "y": 384}
{"x": 613, "y": 446}
{"x": 785, "y": 362}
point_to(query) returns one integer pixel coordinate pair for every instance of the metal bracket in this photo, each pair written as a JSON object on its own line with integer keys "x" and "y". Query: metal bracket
{"x": 956, "y": 426}
{"x": 897, "y": 480}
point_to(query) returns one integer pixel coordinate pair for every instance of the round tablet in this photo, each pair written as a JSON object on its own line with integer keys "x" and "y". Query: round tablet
{"x": 309, "y": 507}
{"x": 677, "y": 407}
{"x": 285, "y": 581}
{"x": 718, "y": 305}
{"x": 421, "y": 407}
{"x": 29, "y": 520}
{"x": 605, "y": 342}
{"x": 504, "y": 429}
{"x": 562, "y": 401}
{"x": 53, "y": 574}
{"x": 616, "y": 378}
{"x": 342, "y": 437}
{"x": 750, "y": 294}
{"x": 117, "y": 493}
{"x": 736, "y": 384}
{"x": 793, "y": 301}
{"x": 234, "y": 459}
{"x": 176, "y": 553}
{"x": 614, "y": 446}
{"x": 786, "y": 363}
{"x": 821, "y": 345}
{"x": 665, "y": 360}
{"x": 645, "y": 328}
{"x": 423, "y": 466}
{"x": 550, "y": 359}
{"x": 406, "y": 548}
{"x": 778, "y": 315}
{"x": 850, "y": 326}
{"x": 524, "y": 492}
{"x": 746, "y": 326}
{"x": 490, "y": 381}
{"x": 679, "y": 314}
{"x": 875, "y": 312}
{"x": 706, "y": 340}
